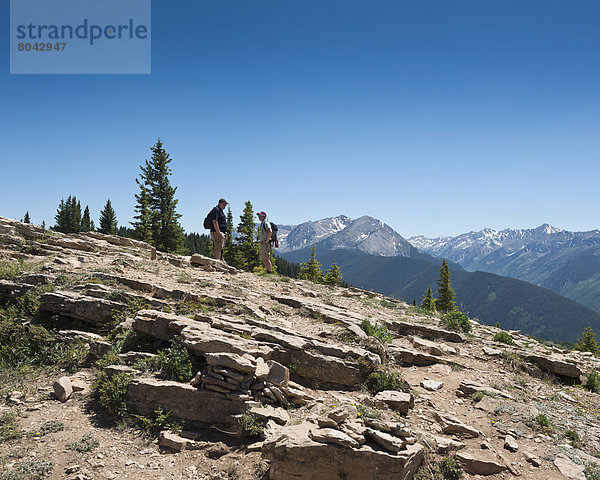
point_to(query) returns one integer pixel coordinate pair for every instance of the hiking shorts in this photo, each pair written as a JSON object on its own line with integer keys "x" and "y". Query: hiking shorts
{"x": 264, "y": 253}
{"x": 218, "y": 240}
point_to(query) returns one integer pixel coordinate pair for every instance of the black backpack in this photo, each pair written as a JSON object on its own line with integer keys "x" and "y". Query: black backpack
{"x": 274, "y": 230}
{"x": 208, "y": 220}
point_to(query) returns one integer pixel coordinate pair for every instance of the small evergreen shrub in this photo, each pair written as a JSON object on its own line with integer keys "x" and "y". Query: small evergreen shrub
{"x": 477, "y": 396}
{"x": 110, "y": 391}
{"x": 592, "y": 381}
{"x": 380, "y": 332}
{"x": 457, "y": 321}
{"x": 159, "y": 422}
{"x": 587, "y": 342}
{"x": 381, "y": 380}
{"x": 450, "y": 467}
{"x": 251, "y": 426}
{"x": 503, "y": 337}
{"x": 574, "y": 438}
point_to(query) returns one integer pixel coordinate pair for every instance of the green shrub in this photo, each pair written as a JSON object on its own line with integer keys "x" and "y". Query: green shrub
{"x": 381, "y": 380}
{"x": 513, "y": 360}
{"x": 587, "y": 342}
{"x": 175, "y": 363}
{"x": 110, "y": 391}
{"x": 477, "y": 396}
{"x": 251, "y": 426}
{"x": 592, "y": 381}
{"x": 380, "y": 332}
{"x": 368, "y": 412}
{"x": 457, "y": 321}
{"x": 51, "y": 426}
{"x": 87, "y": 443}
{"x": 503, "y": 337}
{"x": 574, "y": 438}
{"x": 450, "y": 467}
{"x": 159, "y": 422}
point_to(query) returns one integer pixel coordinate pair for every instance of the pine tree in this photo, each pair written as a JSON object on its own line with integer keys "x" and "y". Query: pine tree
{"x": 166, "y": 233}
{"x": 311, "y": 270}
{"x": 445, "y": 301}
{"x": 246, "y": 241}
{"x": 198, "y": 243}
{"x": 333, "y": 276}
{"x": 587, "y": 341}
{"x": 68, "y": 216}
{"x": 142, "y": 229}
{"x": 428, "y": 302}
{"x": 26, "y": 218}
{"x": 108, "y": 220}
{"x": 86, "y": 221}
{"x": 231, "y": 252}
{"x": 414, "y": 302}
{"x": 44, "y": 224}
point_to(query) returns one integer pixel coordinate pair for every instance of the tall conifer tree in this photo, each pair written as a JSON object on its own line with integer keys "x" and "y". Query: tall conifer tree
{"x": 26, "y": 218}
{"x": 333, "y": 276}
{"x": 428, "y": 302}
{"x": 445, "y": 300}
{"x": 246, "y": 242}
{"x": 68, "y": 216}
{"x": 86, "y": 222}
{"x": 231, "y": 253}
{"x": 141, "y": 227}
{"x": 165, "y": 230}
{"x": 311, "y": 270}
{"x": 108, "y": 220}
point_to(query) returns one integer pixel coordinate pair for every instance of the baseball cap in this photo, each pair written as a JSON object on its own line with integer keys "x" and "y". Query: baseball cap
{"x": 222, "y": 200}
{"x": 261, "y": 213}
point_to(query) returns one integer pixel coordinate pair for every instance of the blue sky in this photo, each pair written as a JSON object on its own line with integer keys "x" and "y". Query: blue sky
{"x": 436, "y": 117}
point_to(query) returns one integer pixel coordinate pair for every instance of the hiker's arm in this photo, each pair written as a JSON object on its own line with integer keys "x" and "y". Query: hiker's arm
{"x": 268, "y": 236}
{"x": 216, "y": 225}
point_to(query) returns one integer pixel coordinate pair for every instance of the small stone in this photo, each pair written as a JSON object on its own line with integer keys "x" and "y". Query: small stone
{"x": 399, "y": 401}
{"x": 72, "y": 469}
{"x": 431, "y": 385}
{"x": 341, "y": 414}
{"x": 63, "y": 389}
{"x": 172, "y": 442}
{"x": 510, "y": 443}
{"x": 535, "y": 461}
{"x": 492, "y": 352}
{"x": 385, "y": 440}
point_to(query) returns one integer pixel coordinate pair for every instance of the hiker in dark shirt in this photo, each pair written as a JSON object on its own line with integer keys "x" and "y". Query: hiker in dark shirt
{"x": 218, "y": 228}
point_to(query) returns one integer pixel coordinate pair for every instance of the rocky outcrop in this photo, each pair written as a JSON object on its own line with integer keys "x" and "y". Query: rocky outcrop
{"x": 555, "y": 365}
{"x": 211, "y": 264}
{"x": 301, "y": 451}
{"x": 423, "y": 330}
{"x": 95, "y": 311}
{"x": 413, "y": 357}
{"x": 453, "y": 426}
{"x": 480, "y": 465}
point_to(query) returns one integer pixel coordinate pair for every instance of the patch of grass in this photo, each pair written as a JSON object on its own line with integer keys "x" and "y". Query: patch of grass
{"x": 184, "y": 277}
{"x": 457, "y": 321}
{"x": 541, "y": 423}
{"x": 513, "y": 361}
{"x": 450, "y": 467}
{"x": 592, "y": 381}
{"x": 381, "y": 380}
{"x": 380, "y": 332}
{"x": 52, "y": 426}
{"x": 29, "y": 470}
{"x": 503, "y": 337}
{"x": 87, "y": 443}
{"x": 10, "y": 270}
{"x": 368, "y": 412}
{"x": 8, "y": 427}
{"x": 251, "y": 426}
{"x": 592, "y": 471}
{"x": 110, "y": 391}
{"x": 190, "y": 307}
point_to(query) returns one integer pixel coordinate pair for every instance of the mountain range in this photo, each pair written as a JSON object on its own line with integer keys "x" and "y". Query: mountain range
{"x": 567, "y": 263}
{"x": 372, "y": 255}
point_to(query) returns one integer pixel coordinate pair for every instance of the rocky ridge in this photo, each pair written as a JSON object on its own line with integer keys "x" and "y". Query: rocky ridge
{"x": 291, "y": 356}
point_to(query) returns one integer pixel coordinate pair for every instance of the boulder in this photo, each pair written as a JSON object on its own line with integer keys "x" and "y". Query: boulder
{"x": 388, "y": 442}
{"x": 413, "y": 357}
{"x": 453, "y": 426}
{"x": 63, "y": 388}
{"x": 510, "y": 443}
{"x": 241, "y": 363}
{"x": 278, "y": 374}
{"x": 293, "y": 455}
{"x": 426, "y": 346}
{"x": 491, "y": 352}
{"x": 555, "y": 365}
{"x": 568, "y": 468}
{"x": 479, "y": 465}
{"x": 173, "y": 442}
{"x": 96, "y": 311}
{"x": 531, "y": 458}
{"x": 342, "y": 414}
{"x": 445, "y": 445}
{"x": 399, "y": 401}
{"x": 427, "y": 331}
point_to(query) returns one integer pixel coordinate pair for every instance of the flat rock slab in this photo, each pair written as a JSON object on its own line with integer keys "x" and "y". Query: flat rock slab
{"x": 294, "y": 455}
{"x": 492, "y": 352}
{"x": 510, "y": 443}
{"x": 453, "y": 426}
{"x": 278, "y": 415}
{"x": 427, "y": 346}
{"x": 413, "y": 357}
{"x": 400, "y": 401}
{"x": 96, "y": 311}
{"x": 184, "y": 401}
{"x": 555, "y": 365}
{"x": 427, "y": 331}
{"x": 568, "y": 468}
{"x": 241, "y": 363}
{"x": 331, "y": 435}
{"x": 386, "y": 441}
{"x": 469, "y": 387}
{"x": 480, "y": 465}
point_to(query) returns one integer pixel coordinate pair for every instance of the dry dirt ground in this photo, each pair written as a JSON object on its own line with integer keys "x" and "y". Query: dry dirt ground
{"x": 119, "y": 450}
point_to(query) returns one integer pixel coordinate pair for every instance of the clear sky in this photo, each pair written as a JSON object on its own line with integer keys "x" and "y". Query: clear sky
{"x": 436, "y": 117}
